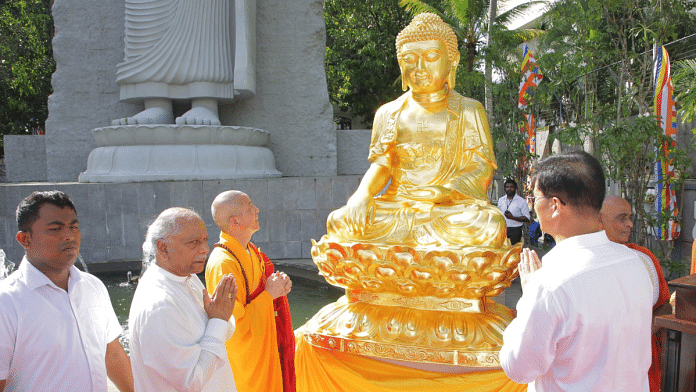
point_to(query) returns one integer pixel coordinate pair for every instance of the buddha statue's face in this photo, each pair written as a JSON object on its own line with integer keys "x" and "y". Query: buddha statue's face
{"x": 425, "y": 66}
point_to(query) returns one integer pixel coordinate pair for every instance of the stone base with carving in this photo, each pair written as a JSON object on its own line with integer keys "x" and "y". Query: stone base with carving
{"x": 134, "y": 153}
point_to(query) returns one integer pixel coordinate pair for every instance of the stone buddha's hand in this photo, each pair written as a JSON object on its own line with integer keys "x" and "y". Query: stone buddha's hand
{"x": 432, "y": 193}
{"x": 359, "y": 211}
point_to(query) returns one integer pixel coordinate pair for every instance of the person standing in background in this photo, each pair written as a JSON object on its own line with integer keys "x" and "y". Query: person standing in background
{"x": 515, "y": 209}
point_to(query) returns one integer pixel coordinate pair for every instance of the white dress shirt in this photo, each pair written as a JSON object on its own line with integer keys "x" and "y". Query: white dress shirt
{"x": 583, "y": 322}
{"x": 174, "y": 346}
{"x": 53, "y": 340}
{"x": 517, "y": 206}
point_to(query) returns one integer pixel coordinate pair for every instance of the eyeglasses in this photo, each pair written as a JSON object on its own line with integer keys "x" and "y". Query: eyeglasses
{"x": 533, "y": 199}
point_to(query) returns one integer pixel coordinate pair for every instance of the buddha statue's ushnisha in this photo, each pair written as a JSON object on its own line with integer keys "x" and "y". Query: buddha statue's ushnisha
{"x": 419, "y": 261}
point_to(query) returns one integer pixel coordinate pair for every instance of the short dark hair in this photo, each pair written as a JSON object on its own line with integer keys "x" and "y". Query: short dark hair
{"x": 28, "y": 209}
{"x": 510, "y": 181}
{"x": 574, "y": 177}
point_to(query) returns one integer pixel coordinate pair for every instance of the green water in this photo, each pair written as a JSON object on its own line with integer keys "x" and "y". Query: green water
{"x": 306, "y": 298}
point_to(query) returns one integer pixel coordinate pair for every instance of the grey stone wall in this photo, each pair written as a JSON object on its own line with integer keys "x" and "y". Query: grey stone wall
{"x": 292, "y": 99}
{"x": 88, "y": 44}
{"x": 291, "y": 102}
{"x": 26, "y": 157}
{"x": 353, "y": 149}
{"x": 114, "y": 217}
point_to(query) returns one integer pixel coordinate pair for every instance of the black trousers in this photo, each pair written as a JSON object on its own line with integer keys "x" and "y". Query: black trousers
{"x": 514, "y": 234}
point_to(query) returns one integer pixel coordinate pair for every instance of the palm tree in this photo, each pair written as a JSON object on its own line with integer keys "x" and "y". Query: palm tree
{"x": 684, "y": 78}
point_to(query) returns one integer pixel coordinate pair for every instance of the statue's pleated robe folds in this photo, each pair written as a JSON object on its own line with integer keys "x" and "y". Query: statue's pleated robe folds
{"x": 178, "y": 49}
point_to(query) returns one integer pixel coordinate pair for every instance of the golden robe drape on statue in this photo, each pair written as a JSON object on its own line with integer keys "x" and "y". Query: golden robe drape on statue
{"x": 320, "y": 370}
{"x": 462, "y": 162}
{"x": 253, "y": 349}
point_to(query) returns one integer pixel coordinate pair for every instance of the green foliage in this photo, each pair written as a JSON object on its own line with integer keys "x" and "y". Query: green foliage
{"x": 598, "y": 75}
{"x": 604, "y": 65}
{"x": 361, "y": 67}
{"x": 684, "y": 79}
{"x": 26, "y": 65}
{"x": 628, "y": 151}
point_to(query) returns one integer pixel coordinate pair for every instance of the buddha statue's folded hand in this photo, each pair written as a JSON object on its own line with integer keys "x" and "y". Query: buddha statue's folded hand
{"x": 359, "y": 211}
{"x": 433, "y": 193}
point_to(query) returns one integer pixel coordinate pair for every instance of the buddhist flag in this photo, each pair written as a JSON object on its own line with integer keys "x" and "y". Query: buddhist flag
{"x": 531, "y": 77}
{"x": 530, "y": 132}
{"x": 665, "y": 111}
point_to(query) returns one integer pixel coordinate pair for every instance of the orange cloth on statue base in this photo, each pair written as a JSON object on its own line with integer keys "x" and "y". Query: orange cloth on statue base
{"x": 321, "y": 370}
{"x": 663, "y": 297}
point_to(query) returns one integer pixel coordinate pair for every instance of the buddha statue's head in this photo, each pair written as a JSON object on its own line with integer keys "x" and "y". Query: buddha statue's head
{"x": 428, "y": 54}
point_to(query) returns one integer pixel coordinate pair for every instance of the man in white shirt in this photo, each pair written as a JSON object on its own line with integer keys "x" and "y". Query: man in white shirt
{"x": 178, "y": 331}
{"x": 58, "y": 330}
{"x": 515, "y": 210}
{"x": 583, "y": 322}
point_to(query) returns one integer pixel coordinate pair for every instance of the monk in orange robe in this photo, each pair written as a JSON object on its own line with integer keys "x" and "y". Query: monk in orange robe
{"x": 616, "y": 221}
{"x": 261, "y": 351}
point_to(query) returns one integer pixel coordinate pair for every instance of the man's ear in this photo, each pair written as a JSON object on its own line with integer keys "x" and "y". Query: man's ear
{"x": 24, "y": 239}
{"x": 556, "y": 206}
{"x": 161, "y": 247}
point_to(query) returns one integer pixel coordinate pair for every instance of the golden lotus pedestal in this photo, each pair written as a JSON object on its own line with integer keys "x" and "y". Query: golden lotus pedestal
{"x": 427, "y": 305}
{"x": 410, "y": 305}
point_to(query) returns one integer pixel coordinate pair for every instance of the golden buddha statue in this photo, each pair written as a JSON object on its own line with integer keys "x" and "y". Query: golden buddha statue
{"x": 435, "y": 147}
{"x": 420, "y": 261}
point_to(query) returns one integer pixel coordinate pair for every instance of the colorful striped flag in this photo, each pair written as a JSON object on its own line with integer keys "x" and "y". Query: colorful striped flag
{"x": 531, "y": 77}
{"x": 530, "y": 131}
{"x": 665, "y": 111}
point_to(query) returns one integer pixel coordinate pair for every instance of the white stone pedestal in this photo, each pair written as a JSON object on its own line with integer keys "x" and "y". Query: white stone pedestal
{"x": 135, "y": 153}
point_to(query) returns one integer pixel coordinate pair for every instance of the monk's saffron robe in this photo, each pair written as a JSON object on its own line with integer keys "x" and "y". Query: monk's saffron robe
{"x": 253, "y": 349}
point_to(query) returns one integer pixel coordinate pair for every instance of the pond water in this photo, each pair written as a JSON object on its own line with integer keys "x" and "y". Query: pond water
{"x": 306, "y": 298}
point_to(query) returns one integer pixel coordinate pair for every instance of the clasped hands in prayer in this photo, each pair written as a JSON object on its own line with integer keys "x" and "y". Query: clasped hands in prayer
{"x": 529, "y": 262}
{"x": 278, "y": 284}
{"x": 221, "y": 303}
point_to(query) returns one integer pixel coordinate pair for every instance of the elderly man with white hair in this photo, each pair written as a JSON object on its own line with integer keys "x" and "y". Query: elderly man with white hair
{"x": 177, "y": 330}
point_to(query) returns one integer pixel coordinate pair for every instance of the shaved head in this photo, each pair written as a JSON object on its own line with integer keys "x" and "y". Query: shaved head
{"x": 616, "y": 218}
{"x": 226, "y": 205}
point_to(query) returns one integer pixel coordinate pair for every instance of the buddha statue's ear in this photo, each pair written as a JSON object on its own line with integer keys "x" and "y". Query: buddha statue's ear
{"x": 452, "y": 77}
{"x": 404, "y": 82}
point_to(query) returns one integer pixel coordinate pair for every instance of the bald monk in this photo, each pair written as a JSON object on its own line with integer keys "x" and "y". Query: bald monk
{"x": 262, "y": 349}
{"x": 616, "y": 221}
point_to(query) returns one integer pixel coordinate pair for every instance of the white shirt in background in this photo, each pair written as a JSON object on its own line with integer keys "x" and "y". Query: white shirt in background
{"x": 517, "y": 206}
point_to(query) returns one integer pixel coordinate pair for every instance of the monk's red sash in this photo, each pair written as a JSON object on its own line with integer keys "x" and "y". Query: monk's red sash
{"x": 284, "y": 331}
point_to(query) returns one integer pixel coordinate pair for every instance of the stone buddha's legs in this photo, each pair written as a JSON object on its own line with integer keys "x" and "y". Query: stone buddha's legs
{"x": 157, "y": 111}
{"x": 204, "y": 111}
